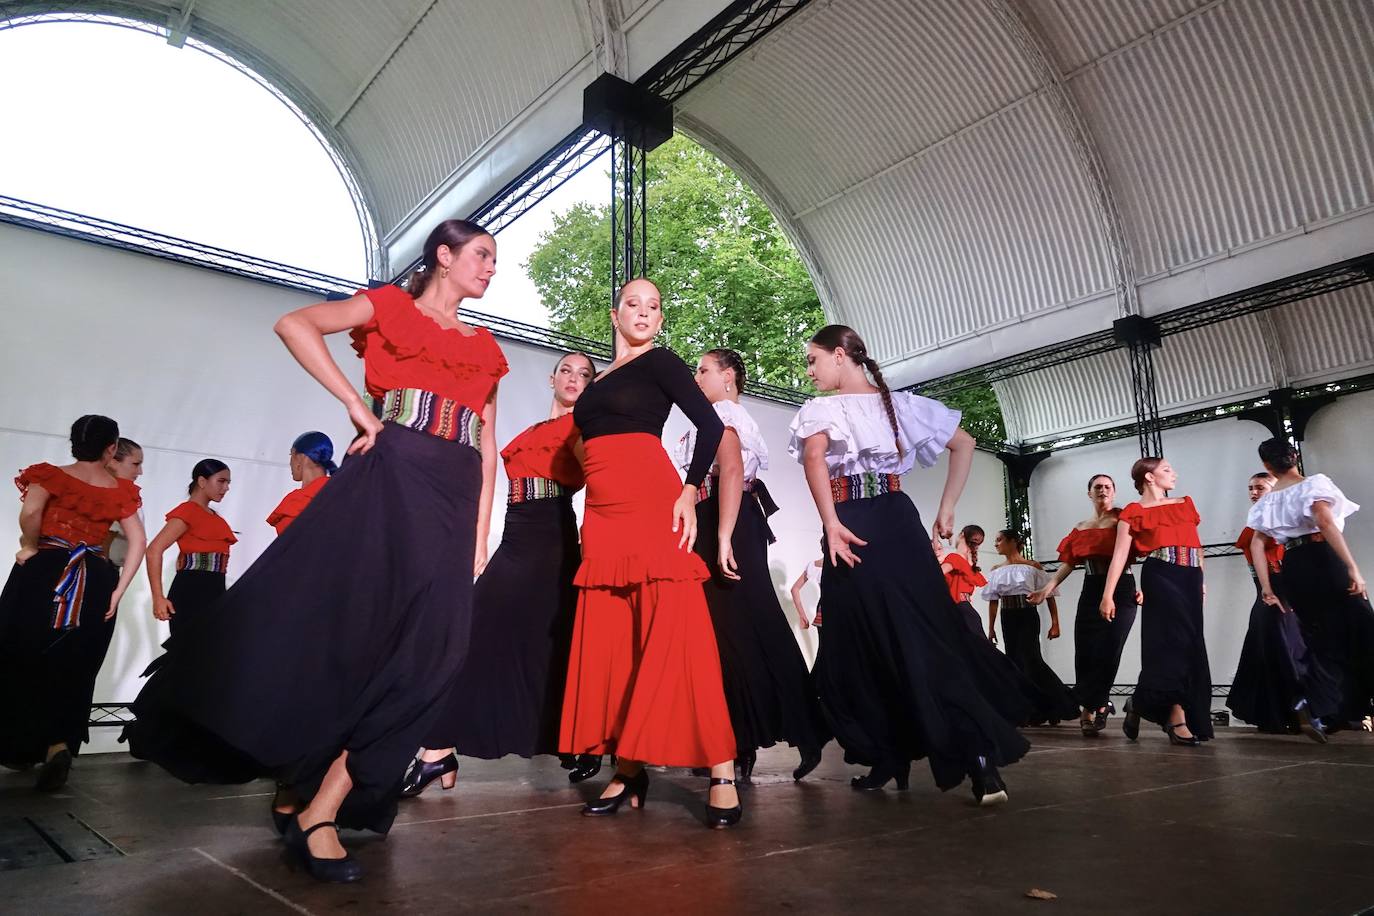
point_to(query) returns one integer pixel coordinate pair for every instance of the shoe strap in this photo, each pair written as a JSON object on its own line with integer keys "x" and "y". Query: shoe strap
{"x": 309, "y": 830}
{"x": 719, "y": 781}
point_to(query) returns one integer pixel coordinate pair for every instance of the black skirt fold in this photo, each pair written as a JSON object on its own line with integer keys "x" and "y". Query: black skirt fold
{"x": 1173, "y": 651}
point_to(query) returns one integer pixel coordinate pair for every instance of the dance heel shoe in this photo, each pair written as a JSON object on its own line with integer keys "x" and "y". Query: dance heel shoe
{"x": 424, "y": 772}
{"x": 55, "y": 771}
{"x": 1190, "y": 741}
{"x": 879, "y": 776}
{"x": 1100, "y": 717}
{"x": 810, "y": 759}
{"x": 746, "y": 768}
{"x": 1308, "y": 724}
{"x": 636, "y": 789}
{"x": 584, "y": 767}
{"x": 282, "y": 819}
{"x": 988, "y": 787}
{"x": 1088, "y": 728}
{"x": 720, "y": 818}
{"x": 333, "y": 871}
{"x": 1130, "y": 726}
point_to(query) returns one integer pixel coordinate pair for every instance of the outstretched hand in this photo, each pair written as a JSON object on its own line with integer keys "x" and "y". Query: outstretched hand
{"x": 840, "y": 543}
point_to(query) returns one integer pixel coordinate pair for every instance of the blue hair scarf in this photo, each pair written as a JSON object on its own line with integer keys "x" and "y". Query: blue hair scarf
{"x": 318, "y": 448}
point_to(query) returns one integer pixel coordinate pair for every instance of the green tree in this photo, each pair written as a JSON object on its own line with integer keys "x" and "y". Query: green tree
{"x": 982, "y": 414}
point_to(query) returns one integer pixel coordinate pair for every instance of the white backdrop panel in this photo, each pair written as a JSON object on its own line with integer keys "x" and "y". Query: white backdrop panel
{"x": 1339, "y": 444}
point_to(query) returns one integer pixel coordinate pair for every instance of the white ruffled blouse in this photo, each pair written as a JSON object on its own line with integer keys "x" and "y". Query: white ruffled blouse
{"x": 1287, "y": 513}
{"x": 1016, "y": 579}
{"x": 861, "y": 439}
{"x": 751, "y": 444}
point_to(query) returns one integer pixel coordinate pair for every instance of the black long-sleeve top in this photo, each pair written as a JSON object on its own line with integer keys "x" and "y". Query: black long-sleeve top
{"x": 637, "y": 397}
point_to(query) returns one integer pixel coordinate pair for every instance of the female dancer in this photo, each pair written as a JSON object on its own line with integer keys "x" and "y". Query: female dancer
{"x": 325, "y": 663}
{"x": 1175, "y": 685}
{"x": 1268, "y": 684}
{"x": 811, "y": 573}
{"x": 203, "y": 539}
{"x": 962, "y": 573}
{"x": 1097, "y": 642}
{"x": 312, "y": 463}
{"x": 508, "y": 699}
{"x": 644, "y": 677}
{"x": 1322, "y": 583}
{"x": 60, "y": 599}
{"x": 1008, "y": 586}
{"x": 767, "y": 685}
{"x": 896, "y": 673}
{"x": 127, "y": 464}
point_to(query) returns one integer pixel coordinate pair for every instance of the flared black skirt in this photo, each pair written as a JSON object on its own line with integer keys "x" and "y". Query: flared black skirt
{"x": 771, "y": 694}
{"x": 343, "y": 636}
{"x": 1097, "y": 643}
{"x": 193, "y": 593}
{"x": 508, "y": 697}
{"x": 898, "y": 676}
{"x": 1338, "y": 628}
{"x": 1173, "y": 650}
{"x": 47, "y": 676}
{"x": 1272, "y": 666}
{"x": 1050, "y": 698}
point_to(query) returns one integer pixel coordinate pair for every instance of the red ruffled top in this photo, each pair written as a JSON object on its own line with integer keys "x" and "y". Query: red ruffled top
{"x": 546, "y": 450}
{"x": 402, "y": 347}
{"x": 206, "y": 532}
{"x": 76, "y": 511}
{"x": 1162, "y": 525}
{"x": 294, "y": 503}
{"x": 962, "y": 580}
{"x": 1273, "y": 551}
{"x": 1088, "y": 543}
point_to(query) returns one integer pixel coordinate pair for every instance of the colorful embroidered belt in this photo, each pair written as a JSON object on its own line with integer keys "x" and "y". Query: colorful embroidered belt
{"x": 1179, "y": 556}
{"x": 1302, "y": 540}
{"x": 1096, "y": 566}
{"x": 528, "y": 489}
{"x": 430, "y": 413}
{"x": 70, "y": 593}
{"x": 709, "y": 487}
{"x": 203, "y": 562}
{"x": 863, "y": 486}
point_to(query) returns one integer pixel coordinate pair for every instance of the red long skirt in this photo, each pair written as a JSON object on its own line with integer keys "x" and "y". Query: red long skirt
{"x": 644, "y": 675}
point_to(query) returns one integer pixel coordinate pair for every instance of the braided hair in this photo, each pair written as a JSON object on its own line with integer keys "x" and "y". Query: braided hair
{"x": 729, "y": 359}
{"x": 967, "y": 533}
{"x": 840, "y": 337}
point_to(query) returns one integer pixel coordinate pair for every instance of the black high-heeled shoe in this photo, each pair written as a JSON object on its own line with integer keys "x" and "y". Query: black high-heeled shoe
{"x": 282, "y": 819}
{"x": 1100, "y": 717}
{"x": 880, "y": 775}
{"x": 810, "y": 759}
{"x": 746, "y": 767}
{"x": 333, "y": 871}
{"x": 1130, "y": 725}
{"x": 56, "y": 769}
{"x": 720, "y": 818}
{"x": 1190, "y": 741}
{"x": 424, "y": 772}
{"x": 636, "y": 788}
{"x": 988, "y": 787}
{"x": 584, "y": 767}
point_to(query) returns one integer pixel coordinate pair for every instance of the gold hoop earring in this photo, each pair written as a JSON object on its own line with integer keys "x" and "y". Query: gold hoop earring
{"x": 443, "y": 273}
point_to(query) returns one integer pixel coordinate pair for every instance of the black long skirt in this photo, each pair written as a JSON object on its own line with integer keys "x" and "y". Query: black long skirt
{"x": 1338, "y": 629}
{"x": 1272, "y": 667}
{"x": 1052, "y": 700}
{"x": 1173, "y": 651}
{"x": 193, "y": 593}
{"x": 897, "y": 676}
{"x": 1097, "y": 643}
{"x": 345, "y": 635}
{"x": 508, "y": 697}
{"x": 768, "y": 689}
{"x": 47, "y": 676}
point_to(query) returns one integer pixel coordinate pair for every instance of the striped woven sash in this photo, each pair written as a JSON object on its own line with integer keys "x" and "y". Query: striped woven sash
{"x": 203, "y": 562}
{"x": 70, "y": 592}
{"x": 528, "y": 489}
{"x": 1179, "y": 556}
{"x": 863, "y": 486}
{"x": 430, "y": 413}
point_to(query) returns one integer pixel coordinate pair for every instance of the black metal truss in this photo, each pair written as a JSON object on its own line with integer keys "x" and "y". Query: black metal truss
{"x": 109, "y": 715}
{"x": 629, "y": 211}
{"x": 1145, "y": 396}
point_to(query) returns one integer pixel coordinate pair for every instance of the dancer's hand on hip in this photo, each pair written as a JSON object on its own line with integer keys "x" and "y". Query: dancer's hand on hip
{"x": 24, "y": 554}
{"x": 368, "y": 427}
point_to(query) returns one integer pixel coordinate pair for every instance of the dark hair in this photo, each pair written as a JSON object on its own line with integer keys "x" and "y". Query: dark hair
{"x": 125, "y": 447}
{"x": 728, "y": 359}
{"x": 91, "y": 435}
{"x": 205, "y": 467}
{"x": 590, "y": 362}
{"x": 1142, "y": 467}
{"x": 1094, "y": 477}
{"x": 840, "y": 337}
{"x": 1015, "y": 537}
{"x": 318, "y": 448}
{"x": 968, "y": 531}
{"x": 1261, "y": 474}
{"x": 454, "y": 233}
{"x": 1278, "y": 453}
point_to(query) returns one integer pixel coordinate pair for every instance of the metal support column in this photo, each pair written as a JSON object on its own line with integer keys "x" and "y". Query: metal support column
{"x": 629, "y": 212}
{"x": 1140, "y": 336}
{"x": 1019, "y": 467}
{"x": 1286, "y": 417}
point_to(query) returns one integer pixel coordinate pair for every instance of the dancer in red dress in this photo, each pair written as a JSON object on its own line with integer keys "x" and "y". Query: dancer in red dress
{"x": 644, "y": 678}
{"x": 312, "y": 462}
{"x": 203, "y": 540}
{"x": 962, "y": 573}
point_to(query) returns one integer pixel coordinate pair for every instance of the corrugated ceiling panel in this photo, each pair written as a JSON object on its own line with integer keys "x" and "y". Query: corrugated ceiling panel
{"x": 1328, "y": 336}
{"x": 1238, "y": 125}
{"x": 1081, "y": 31}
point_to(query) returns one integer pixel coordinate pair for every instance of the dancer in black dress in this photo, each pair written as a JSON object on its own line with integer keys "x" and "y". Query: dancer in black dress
{"x": 897, "y": 677}
{"x": 1007, "y": 589}
{"x": 767, "y": 685}
{"x": 1097, "y": 642}
{"x": 1175, "y": 685}
{"x": 508, "y": 699}
{"x": 1323, "y": 585}
{"x": 325, "y": 664}
{"x": 203, "y": 540}
{"x": 59, "y": 602}
{"x": 1267, "y": 687}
